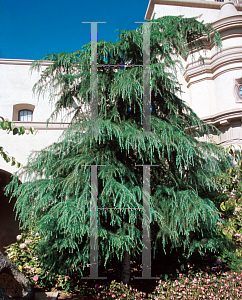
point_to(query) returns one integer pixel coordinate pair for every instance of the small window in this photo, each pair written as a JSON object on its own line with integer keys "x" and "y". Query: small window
{"x": 25, "y": 115}
{"x": 240, "y": 91}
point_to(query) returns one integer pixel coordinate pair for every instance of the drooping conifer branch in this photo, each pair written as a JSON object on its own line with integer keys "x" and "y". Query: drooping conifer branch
{"x": 55, "y": 192}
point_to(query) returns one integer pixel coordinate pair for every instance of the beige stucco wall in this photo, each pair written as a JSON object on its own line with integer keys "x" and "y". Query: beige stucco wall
{"x": 16, "y": 88}
{"x": 209, "y": 15}
{"x": 215, "y": 81}
{"x": 210, "y": 88}
{"x": 21, "y": 146}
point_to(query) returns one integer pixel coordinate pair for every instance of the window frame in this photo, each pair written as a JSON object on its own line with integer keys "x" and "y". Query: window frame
{"x": 21, "y": 106}
{"x": 28, "y": 110}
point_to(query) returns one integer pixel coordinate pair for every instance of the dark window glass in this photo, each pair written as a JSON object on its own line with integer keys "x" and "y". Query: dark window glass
{"x": 25, "y": 115}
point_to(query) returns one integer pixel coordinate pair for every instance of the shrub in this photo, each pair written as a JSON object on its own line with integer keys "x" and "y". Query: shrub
{"x": 24, "y": 254}
{"x": 231, "y": 229}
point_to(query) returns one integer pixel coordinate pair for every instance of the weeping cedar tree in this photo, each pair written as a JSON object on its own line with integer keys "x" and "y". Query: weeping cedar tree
{"x": 55, "y": 192}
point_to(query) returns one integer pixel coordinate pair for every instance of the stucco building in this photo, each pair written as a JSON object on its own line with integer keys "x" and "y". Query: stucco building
{"x": 213, "y": 90}
{"x": 20, "y": 105}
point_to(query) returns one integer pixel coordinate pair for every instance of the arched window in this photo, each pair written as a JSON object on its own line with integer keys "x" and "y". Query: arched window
{"x": 23, "y": 112}
{"x": 25, "y": 115}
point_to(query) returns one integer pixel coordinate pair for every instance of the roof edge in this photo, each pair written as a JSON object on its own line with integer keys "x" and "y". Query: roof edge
{"x": 187, "y": 3}
{"x": 28, "y": 62}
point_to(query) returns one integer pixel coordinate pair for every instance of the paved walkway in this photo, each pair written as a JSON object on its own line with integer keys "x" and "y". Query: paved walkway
{"x": 45, "y": 296}
{"x": 58, "y": 296}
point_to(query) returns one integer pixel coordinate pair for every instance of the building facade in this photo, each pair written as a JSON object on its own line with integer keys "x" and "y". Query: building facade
{"x": 213, "y": 90}
{"x": 20, "y": 105}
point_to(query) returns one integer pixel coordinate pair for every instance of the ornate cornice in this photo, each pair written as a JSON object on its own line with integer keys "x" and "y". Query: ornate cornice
{"x": 224, "y": 118}
{"x": 214, "y": 66}
{"x": 186, "y": 3}
{"x": 229, "y": 27}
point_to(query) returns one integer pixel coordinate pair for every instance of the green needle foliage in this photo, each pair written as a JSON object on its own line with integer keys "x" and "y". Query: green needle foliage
{"x": 55, "y": 192}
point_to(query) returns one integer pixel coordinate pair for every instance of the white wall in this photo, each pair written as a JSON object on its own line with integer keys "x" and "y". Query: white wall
{"x": 209, "y": 89}
{"x": 16, "y": 88}
{"x": 209, "y": 15}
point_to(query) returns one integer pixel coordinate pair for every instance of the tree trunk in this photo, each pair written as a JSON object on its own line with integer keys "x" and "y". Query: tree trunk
{"x": 125, "y": 275}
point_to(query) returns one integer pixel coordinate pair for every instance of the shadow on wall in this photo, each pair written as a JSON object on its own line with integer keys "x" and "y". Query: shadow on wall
{"x": 9, "y": 228}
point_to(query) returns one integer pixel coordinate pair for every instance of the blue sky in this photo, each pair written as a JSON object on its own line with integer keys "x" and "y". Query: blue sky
{"x": 31, "y": 28}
